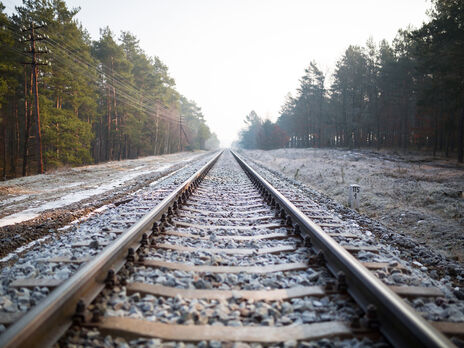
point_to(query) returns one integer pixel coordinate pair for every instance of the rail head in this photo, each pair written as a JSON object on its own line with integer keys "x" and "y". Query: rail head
{"x": 45, "y": 323}
{"x": 399, "y": 322}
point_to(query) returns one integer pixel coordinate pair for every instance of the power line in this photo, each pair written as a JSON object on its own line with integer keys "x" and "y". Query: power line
{"x": 119, "y": 86}
{"x": 68, "y": 50}
{"x": 124, "y": 91}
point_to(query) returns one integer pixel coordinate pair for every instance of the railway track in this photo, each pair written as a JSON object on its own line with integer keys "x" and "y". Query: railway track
{"x": 222, "y": 258}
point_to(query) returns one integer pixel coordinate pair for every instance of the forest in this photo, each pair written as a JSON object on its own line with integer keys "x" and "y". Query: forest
{"x": 408, "y": 94}
{"x": 67, "y": 100}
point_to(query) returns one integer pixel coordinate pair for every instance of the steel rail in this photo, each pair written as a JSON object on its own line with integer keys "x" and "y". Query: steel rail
{"x": 45, "y": 323}
{"x": 400, "y": 324}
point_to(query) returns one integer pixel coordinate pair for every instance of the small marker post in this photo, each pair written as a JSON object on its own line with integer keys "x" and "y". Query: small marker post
{"x": 353, "y": 196}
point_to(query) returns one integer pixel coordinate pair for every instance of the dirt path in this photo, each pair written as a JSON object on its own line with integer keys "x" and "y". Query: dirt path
{"x": 26, "y": 198}
{"x": 35, "y": 206}
{"x": 413, "y": 194}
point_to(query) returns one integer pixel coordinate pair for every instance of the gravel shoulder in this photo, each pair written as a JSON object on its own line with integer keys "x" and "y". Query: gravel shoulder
{"x": 415, "y": 195}
{"x": 83, "y": 240}
{"x": 35, "y": 206}
{"x": 27, "y": 197}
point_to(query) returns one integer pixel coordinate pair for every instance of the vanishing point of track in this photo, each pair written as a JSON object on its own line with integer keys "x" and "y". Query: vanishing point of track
{"x": 241, "y": 225}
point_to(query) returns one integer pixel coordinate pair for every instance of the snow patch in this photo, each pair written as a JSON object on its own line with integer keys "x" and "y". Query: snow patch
{"x": 67, "y": 186}
{"x": 18, "y": 217}
{"x": 23, "y": 248}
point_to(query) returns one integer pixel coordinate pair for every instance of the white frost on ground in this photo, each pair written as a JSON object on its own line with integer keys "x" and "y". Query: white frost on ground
{"x": 414, "y": 194}
{"x": 25, "y": 198}
{"x": 23, "y": 248}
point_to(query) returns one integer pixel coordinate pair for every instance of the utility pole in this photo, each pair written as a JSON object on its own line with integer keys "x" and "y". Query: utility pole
{"x": 180, "y": 132}
{"x": 34, "y": 52}
{"x": 26, "y": 123}
{"x": 186, "y": 137}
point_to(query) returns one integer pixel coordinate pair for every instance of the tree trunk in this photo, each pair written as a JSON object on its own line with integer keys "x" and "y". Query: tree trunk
{"x": 13, "y": 139}
{"x": 461, "y": 137}
{"x": 435, "y": 137}
{"x": 108, "y": 127}
{"x": 27, "y": 121}
{"x": 4, "y": 153}
{"x": 406, "y": 126}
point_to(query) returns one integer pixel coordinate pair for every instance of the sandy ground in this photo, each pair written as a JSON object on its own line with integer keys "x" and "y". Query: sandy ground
{"x": 410, "y": 193}
{"x": 25, "y": 198}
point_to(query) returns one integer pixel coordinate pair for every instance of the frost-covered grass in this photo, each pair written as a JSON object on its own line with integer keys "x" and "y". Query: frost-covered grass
{"x": 412, "y": 193}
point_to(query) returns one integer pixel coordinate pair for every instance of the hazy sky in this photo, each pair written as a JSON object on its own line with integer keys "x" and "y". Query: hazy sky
{"x": 234, "y": 56}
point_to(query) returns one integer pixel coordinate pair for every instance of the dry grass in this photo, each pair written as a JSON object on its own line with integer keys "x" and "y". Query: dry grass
{"x": 14, "y": 190}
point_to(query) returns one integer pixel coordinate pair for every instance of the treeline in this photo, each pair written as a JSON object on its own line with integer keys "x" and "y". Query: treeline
{"x": 262, "y": 134}
{"x": 98, "y": 100}
{"x": 409, "y": 93}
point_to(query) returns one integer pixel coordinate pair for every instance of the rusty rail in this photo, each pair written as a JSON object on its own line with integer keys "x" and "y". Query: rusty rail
{"x": 398, "y": 321}
{"x": 44, "y": 324}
